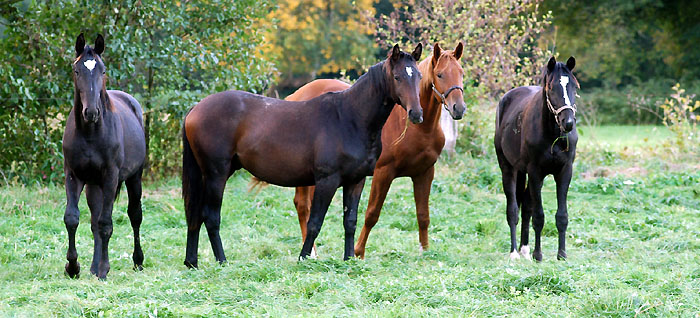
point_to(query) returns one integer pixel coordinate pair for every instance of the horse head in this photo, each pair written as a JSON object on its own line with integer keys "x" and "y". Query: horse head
{"x": 446, "y": 78}
{"x": 560, "y": 87}
{"x": 89, "y": 77}
{"x": 404, "y": 79}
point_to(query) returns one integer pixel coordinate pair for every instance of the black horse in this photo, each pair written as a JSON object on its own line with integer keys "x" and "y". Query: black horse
{"x": 536, "y": 136}
{"x": 103, "y": 146}
{"x": 330, "y": 141}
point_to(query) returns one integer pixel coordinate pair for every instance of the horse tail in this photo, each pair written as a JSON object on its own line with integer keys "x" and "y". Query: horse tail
{"x": 192, "y": 182}
{"x": 256, "y": 183}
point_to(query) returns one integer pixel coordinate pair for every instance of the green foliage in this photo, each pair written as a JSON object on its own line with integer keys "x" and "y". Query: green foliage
{"x": 313, "y": 37}
{"x": 632, "y": 244}
{"x": 624, "y": 42}
{"x": 681, "y": 118}
{"x": 167, "y": 55}
{"x": 500, "y": 51}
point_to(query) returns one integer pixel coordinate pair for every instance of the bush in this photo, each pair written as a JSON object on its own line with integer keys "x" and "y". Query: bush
{"x": 167, "y": 56}
{"x": 628, "y": 105}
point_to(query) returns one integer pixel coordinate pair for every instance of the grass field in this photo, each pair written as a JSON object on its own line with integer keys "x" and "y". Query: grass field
{"x": 633, "y": 245}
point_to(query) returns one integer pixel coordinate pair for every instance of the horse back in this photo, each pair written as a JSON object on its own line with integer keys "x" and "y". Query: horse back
{"x": 317, "y": 88}
{"x": 125, "y": 102}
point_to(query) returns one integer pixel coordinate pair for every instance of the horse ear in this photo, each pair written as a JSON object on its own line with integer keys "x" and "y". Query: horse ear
{"x": 79, "y": 45}
{"x": 395, "y": 53}
{"x": 99, "y": 44}
{"x": 551, "y": 64}
{"x": 417, "y": 52}
{"x": 436, "y": 52}
{"x": 571, "y": 63}
{"x": 458, "y": 51}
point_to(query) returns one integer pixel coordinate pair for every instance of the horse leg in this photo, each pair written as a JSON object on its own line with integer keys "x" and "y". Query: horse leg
{"x": 563, "y": 178}
{"x": 508, "y": 177}
{"x": 213, "y": 195}
{"x": 323, "y": 194}
{"x": 109, "y": 192}
{"x": 523, "y": 198}
{"x": 351, "y": 199}
{"x": 534, "y": 183}
{"x": 133, "y": 187}
{"x": 194, "y": 224}
{"x": 93, "y": 193}
{"x": 302, "y": 202}
{"x": 421, "y": 194}
{"x": 380, "y": 186}
{"x": 72, "y": 218}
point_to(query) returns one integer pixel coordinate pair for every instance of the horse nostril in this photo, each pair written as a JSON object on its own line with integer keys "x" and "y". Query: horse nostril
{"x": 569, "y": 124}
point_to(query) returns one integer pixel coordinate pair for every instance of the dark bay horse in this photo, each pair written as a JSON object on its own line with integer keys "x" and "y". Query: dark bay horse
{"x": 415, "y": 154}
{"x": 535, "y": 137}
{"x": 329, "y": 141}
{"x": 103, "y": 146}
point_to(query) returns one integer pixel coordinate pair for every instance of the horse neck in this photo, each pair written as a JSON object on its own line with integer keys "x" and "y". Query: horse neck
{"x": 549, "y": 121}
{"x": 369, "y": 99}
{"x": 432, "y": 108}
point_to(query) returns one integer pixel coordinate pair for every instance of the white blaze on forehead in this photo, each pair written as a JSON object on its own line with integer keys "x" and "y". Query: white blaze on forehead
{"x": 90, "y": 64}
{"x": 563, "y": 81}
{"x": 409, "y": 71}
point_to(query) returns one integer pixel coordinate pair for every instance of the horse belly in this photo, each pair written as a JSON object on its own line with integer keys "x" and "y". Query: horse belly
{"x": 278, "y": 166}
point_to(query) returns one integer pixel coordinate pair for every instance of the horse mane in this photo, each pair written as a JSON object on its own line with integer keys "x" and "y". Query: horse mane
{"x": 424, "y": 67}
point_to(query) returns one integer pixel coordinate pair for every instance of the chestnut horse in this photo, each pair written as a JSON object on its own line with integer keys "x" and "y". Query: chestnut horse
{"x": 103, "y": 145}
{"x": 535, "y": 137}
{"x": 412, "y": 155}
{"x": 329, "y": 141}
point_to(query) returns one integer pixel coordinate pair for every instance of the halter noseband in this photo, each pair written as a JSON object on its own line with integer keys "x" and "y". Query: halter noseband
{"x": 443, "y": 97}
{"x": 560, "y": 109}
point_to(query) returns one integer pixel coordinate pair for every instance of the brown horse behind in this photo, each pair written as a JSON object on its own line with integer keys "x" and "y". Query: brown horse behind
{"x": 415, "y": 154}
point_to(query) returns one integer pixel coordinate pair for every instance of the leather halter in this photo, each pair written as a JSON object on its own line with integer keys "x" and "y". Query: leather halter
{"x": 443, "y": 97}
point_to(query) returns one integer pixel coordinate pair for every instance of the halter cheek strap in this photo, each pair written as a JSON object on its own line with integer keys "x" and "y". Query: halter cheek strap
{"x": 443, "y": 97}
{"x": 560, "y": 109}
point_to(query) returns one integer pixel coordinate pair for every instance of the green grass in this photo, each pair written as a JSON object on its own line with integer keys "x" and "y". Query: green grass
{"x": 618, "y": 137}
{"x": 633, "y": 245}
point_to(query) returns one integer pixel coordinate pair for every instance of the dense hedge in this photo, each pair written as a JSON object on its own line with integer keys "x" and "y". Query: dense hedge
{"x": 167, "y": 55}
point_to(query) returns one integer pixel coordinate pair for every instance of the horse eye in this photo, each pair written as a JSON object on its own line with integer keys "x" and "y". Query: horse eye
{"x": 76, "y": 72}
{"x": 396, "y": 77}
{"x": 103, "y": 72}
{"x": 439, "y": 75}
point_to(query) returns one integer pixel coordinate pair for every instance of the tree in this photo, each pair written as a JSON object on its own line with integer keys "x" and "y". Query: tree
{"x": 625, "y": 42}
{"x": 168, "y": 55}
{"x": 500, "y": 49}
{"x": 315, "y": 37}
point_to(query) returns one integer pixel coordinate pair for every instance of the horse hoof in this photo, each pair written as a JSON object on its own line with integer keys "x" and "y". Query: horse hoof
{"x": 514, "y": 256}
{"x": 538, "y": 256}
{"x": 138, "y": 267}
{"x": 192, "y": 265}
{"x": 561, "y": 256}
{"x": 360, "y": 253}
{"x": 525, "y": 252}
{"x": 73, "y": 271}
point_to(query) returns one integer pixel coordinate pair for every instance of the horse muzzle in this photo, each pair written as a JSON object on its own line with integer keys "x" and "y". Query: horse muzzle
{"x": 91, "y": 115}
{"x": 416, "y": 117}
{"x": 568, "y": 124}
